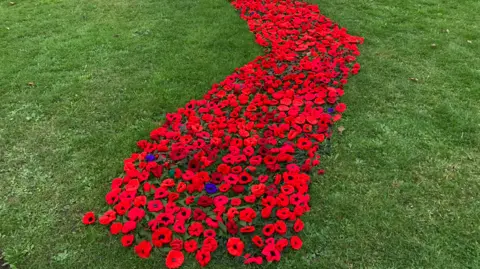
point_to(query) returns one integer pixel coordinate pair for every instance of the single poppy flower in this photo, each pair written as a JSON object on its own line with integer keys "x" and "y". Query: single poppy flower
{"x": 280, "y": 227}
{"x": 256, "y": 260}
{"x": 129, "y": 226}
{"x": 174, "y": 259}
{"x": 209, "y": 233}
{"x": 238, "y": 189}
{"x": 271, "y": 253}
{"x": 165, "y": 219}
{"x": 116, "y": 228}
{"x": 248, "y": 214}
{"x": 298, "y": 225}
{"x": 190, "y": 246}
{"x": 127, "y": 240}
{"x": 235, "y": 246}
{"x": 235, "y": 201}
{"x": 205, "y": 201}
{"x": 176, "y": 244}
{"x": 88, "y": 218}
{"x": 296, "y": 242}
{"x": 195, "y": 229}
{"x": 247, "y": 229}
{"x": 232, "y": 227}
{"x": 268, "y": 229}
{"x": 143, "y": 249}
{"x": 281, "y": 244}
{"x": 161, "y": 236}
{"x": 210, "y": 244}
{"x": 179, "y": 227}
{"x": 203, "y": 257}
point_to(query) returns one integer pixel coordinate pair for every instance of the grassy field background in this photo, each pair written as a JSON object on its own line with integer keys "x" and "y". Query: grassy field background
{"x": 403, "y": 181}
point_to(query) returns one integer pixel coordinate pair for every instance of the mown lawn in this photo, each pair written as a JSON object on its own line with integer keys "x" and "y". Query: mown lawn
{"x": 403, "y": 180}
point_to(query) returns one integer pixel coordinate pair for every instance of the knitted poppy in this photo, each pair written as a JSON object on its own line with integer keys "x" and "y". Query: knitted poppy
{"x": 88, "y": 218}
{"x": 190, "y": 246}
{"x": 240, "y": 159}
{"x": 296, "y": 242}
{"x": 143, "y": 249}
{"x": 203, "y": 257}
{"x": 235, "y": 246}
{"x": 174, "y": 259}
{"x": 127, "y": 240}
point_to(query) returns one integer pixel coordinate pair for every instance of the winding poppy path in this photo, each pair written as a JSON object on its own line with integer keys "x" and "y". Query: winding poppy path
{"x": 232, "y": 170}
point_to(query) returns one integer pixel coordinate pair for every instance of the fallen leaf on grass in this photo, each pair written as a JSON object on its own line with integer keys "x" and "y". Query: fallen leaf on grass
{"x": 413, "y": 79}
{"x": 31, "y": 84}
{"x": 434, "y": 45}
{"x": 341, "y": 129}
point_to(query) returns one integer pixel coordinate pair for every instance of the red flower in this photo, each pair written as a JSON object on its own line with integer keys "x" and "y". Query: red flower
{"x": 296, "y": 242}
{"x": 129, "y": 226}
{"x": 268, "y": 229}
{"x": 116, "y": 228}
{"x": 258, "y": 190}
{"x": 136, "y": 214}
{"x": 340, "y": 108}
{"x": 174, "y": 259}
{"x": 232, "y": 227}
{"x": 161, "y": 236}
{"x": 88, "y": 218}
{"x": 257, "y": 260}
{"x": 247, "y": 229}
{"x": 235, "y": 201}
{"x": 258, "y": 241}
{"x": 205, "y": 201}
{"x": 143, "y": 249}
{"x": 247, "y": 214}
{"x": 165, "y": 219}
{"x": 179, "y": 227}
{"x": 235, "y": 246}
{"x": 195, "y": 229}
{"x": 298, "y": 225}
{"x": 198, "y": 214}
{"x": 281, "y": 244}
{"x": 238, "y": 189}
{"x": 209, "y": 233}
{"x": 176, "y": 244}
{"x": 127, "y": 240}
{"x": 190, "y": 246}
{"x": 244, "y": 178}
{"x": 210, "y": 244}
{"x": 271, "y": 253}
{"x": 203, "y": 257}
{"x": 280, "y": 227}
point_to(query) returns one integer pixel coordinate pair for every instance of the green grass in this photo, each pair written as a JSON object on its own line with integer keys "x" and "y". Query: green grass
{"x": 402, "y": 183}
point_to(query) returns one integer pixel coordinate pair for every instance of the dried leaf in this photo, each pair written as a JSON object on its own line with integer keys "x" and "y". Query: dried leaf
{"x": 413, "y": 79}
{"x": 31, "y": 84}
{"x": 341, "y": 129}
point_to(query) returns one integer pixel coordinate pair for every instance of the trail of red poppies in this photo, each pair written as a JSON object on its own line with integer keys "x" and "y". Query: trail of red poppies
{"x": 232, "y": 170}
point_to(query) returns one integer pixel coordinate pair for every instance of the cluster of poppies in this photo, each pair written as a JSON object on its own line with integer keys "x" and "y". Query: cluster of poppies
{"x": 233, "y": 170}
